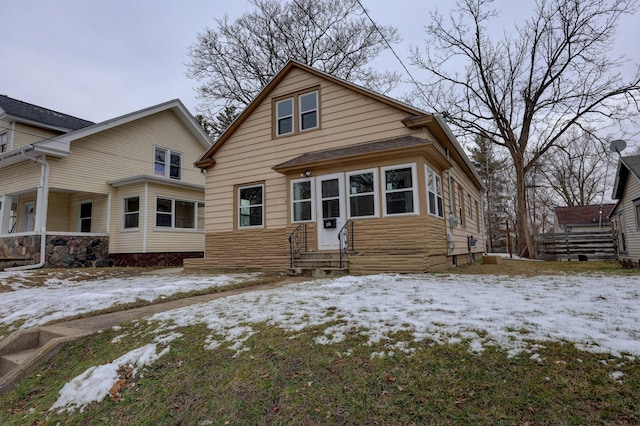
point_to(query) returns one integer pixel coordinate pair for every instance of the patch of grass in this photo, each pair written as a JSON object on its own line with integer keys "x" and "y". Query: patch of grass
{"x": 285, "y": 380}
{"x": 532, "y": 268}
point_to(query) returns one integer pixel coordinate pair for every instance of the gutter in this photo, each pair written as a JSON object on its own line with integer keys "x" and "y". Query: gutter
{"x": 42, "y": 203}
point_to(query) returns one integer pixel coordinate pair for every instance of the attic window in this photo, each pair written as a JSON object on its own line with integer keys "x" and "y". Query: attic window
{"x": 296, "y": 112}
{"x": 167, "y": 163}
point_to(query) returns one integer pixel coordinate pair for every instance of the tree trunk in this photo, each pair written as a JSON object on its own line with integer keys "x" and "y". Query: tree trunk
{"x": 525, "y": 242}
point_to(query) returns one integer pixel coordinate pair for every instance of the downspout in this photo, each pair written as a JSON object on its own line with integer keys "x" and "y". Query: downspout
{"x": 452, "y": 223}
{"x": 42, "y": 204}
{"x": 144, "y": 220}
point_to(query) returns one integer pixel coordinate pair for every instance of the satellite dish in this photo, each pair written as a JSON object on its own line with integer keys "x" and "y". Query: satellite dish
{"x": 618, "y": 146}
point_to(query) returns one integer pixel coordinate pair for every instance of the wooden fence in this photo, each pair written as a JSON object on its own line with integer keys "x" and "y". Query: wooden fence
{"x": 595, "y": 245}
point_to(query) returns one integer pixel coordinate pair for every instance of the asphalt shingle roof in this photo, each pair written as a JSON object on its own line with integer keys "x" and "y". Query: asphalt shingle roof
{"x": 27, "y": 111}
{"x": 354, "y": 150}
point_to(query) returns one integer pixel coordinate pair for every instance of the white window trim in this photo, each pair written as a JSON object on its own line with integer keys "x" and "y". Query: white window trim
{"x": 316, "y": 110}
{"x": 123, "y": 228}
{"x": 428, "y": 169}
{"x": 173, "y": 215}
{"x": 293, "y": 120}
{"x": 313, "y": 200}
{"x": 376, "y": 194}
{"x": 414, "y": 189}
{"x": 4, "y": 147}
{"x": 80, "y": 203}
{"x": 238, "y": 206}
{"x": 167, "y": 164}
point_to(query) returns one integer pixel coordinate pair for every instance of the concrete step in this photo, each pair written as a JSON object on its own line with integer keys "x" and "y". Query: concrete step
{"x": 12, "y": 361}
{"x": 22, "y": 352}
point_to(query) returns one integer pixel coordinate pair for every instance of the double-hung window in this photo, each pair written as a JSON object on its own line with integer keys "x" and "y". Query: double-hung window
{"x": 284, "y": 117}
{"x": 363, "y": 201}
{"x": 399, "y": 189}
{"x": 84, "y": 216}
{"x": 460, "y": 205}
{"x": 251, "y": 206}
{"x": 302, "y": 200}
{"x": 179, "y": 214}
{"x": 131, "y": 212}
{"x": 636, "y": 208}
{"x": 297, "y": 113}
{"x": 434, "y": 193}
{"x": 308, "y": 103}
{"x": 167, "y": 163}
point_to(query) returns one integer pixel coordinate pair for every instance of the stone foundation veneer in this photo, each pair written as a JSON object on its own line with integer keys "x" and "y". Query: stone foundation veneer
{"x": 62, "y": 251}
{"x": 78, "y": 251}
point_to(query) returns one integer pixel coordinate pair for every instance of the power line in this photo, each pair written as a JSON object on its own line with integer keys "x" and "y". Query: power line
{"x": 375, "y": 26}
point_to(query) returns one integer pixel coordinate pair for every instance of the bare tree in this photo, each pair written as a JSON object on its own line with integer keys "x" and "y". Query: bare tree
{"x": 576, "y": 169}
{"x": 524, "y": 90}
{"x": 235, "y": 60}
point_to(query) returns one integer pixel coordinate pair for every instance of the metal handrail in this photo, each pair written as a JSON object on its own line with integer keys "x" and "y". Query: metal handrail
{"x": 297, "y": 242}
{"x": 345, "y": 239}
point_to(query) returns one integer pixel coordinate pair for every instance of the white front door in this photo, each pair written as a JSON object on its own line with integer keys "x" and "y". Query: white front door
{"x": 29, "y": 216}
{"x": 331, "y": 214}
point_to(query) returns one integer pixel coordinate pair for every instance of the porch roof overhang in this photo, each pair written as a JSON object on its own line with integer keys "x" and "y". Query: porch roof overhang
{"x": 154, "y": 179}
{"x": 19, "y": 155}
{"x": 383, "y": 149}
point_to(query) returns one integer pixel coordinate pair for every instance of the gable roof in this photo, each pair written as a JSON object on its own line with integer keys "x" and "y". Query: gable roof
{"x": 28, "y": 113}
{"x": 60, "y": 146}
{"x": 583, "y": 215}
{"x": 626, "y": 165}
{"x": 415, "y": 117}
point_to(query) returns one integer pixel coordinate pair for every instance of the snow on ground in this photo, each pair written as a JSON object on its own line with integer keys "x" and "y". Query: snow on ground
{"x": 598, "y": 313}
{"x": 61, "y": 298}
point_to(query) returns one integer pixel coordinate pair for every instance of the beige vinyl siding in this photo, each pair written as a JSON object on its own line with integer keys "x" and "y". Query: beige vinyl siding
{"x": 23, "y": 134}
{"x": 161, "y": 239}
{"x": 469, "y": 226}
{"x": 20, "y": 177}
{"x": 112, "y": 154}
{"x": 58, "y": 219}
{"x": 251, "y": 152}
{"x": 631, "y": 192}
{"x": 130, "y": 240}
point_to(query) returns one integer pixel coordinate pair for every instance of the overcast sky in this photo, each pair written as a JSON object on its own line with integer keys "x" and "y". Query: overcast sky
{"x": 98, "y": 59}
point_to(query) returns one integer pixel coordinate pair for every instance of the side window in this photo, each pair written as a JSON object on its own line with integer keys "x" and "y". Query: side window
{"x": 434, "y": 193}
{"x": 460, "y": 204}
{"x": 284, "y": 117}
{"x": 251, "y": 206}
{"x": 636, "y": 209}
{"x": 363, "y": 200}
{"x": 399, "y": 188}
{"x": 131, "y": 212}
{"x": 302, "y": 200}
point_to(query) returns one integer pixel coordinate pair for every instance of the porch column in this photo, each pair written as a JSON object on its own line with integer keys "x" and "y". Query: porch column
{"x": 5, "y": 213}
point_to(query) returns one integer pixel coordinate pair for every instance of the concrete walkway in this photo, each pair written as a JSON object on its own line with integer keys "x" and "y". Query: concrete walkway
{"x": 23, "y": 351}
{"x": 92, "y": 324}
